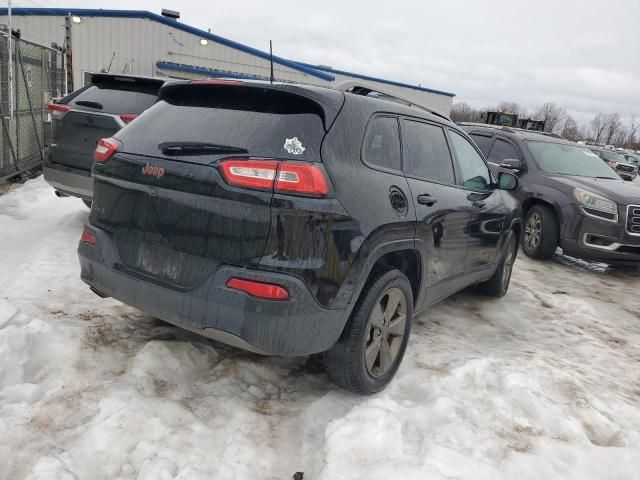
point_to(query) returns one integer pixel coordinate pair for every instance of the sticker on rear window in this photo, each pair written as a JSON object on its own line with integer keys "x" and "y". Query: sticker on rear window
{"x": 293, "y": 146}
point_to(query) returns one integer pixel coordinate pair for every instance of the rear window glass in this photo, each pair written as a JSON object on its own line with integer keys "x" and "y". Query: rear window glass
{"x": 115, "y": 97}
{"x": 239, "y": 120}
{"x": 382, "y": 143}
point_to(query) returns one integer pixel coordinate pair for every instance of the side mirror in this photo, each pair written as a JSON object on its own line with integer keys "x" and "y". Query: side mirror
{"x": 512, "y": 164}
{"x": 507, "y": 181}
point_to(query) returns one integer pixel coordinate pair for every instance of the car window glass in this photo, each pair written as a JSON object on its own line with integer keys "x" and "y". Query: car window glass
{"x": 502, "y": 150}
{"x": 475, "y": 174}
{"x": 425, "y": 152}
{"x": 483, "y": 142}
{"x": 382, "y": 143}
{"x": 115, "y": 98}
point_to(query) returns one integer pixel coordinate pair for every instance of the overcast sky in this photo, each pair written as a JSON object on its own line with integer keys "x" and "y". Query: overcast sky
{"x": 583, "y": 55}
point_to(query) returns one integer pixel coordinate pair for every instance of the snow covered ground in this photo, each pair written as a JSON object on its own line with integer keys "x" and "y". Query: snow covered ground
{"x": 543, "y": 384}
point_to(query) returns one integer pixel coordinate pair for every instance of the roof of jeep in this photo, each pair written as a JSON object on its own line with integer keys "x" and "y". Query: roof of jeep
{"x": 330, "y": 98}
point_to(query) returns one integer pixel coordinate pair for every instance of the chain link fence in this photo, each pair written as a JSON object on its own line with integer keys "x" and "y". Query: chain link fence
{"x": 38, "y": 76}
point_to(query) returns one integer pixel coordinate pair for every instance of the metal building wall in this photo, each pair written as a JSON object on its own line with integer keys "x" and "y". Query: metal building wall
{"x": 134, "y": 45}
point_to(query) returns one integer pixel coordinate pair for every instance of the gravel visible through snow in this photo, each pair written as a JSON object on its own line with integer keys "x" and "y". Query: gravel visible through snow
{"x": 543, "y": 384}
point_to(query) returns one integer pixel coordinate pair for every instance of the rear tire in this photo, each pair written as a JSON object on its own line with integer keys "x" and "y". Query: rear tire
{"x": 541, "y": 233}
{"x": 87, "y": 203}
{"x": 498, "y": 285}
{"x": 372, "y": 345}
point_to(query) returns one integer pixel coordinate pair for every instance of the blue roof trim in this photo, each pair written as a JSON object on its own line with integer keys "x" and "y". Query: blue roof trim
{"x": 92, "y": 12}
{"x": 211, "y": 72}
{"x": 375, "y": 79}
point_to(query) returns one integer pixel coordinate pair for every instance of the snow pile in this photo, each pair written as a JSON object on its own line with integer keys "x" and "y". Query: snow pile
{"x": 541, "y": 384}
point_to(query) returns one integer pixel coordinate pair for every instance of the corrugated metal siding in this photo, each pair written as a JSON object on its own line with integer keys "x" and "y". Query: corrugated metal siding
{"x": 134, "y": 45}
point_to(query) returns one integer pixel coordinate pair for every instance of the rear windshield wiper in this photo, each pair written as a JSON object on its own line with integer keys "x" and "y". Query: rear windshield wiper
{"x": 195, "y": 148}
{"x": 87, "y": 103}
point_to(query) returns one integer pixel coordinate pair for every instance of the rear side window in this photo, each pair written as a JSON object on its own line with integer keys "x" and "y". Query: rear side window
{"x": 483, "y": 142}
{"x": 382, "y": 143}
{"x": 425, "y": 152}
{"x": 116, "y": 97}
{"x": 501, "y": 151}
{"x": 228, "y": 120}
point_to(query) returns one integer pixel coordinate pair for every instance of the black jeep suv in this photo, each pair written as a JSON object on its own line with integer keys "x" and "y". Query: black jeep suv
{"x": 570, "y": 197}
{"x": 292, "y": 220}
{"x": 97, "y": 110}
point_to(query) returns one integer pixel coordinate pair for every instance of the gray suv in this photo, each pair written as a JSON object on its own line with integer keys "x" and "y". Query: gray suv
{"x": 570, "y": 197}
{"x": 79, "y": 120}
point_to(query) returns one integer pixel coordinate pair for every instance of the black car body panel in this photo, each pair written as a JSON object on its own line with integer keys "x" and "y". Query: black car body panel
{"x": 171, "y": 230}
{"x": 582, "y": 235}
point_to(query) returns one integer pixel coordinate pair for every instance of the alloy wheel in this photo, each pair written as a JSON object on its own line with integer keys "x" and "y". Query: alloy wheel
{"x": 533, "y": 231}
{"x": 385, "y": 332}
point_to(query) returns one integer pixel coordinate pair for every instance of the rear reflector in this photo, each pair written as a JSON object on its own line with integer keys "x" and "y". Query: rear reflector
{"x": 88, "y": 237}
{"x": 279, "y": 175}
{"x": 258, "y": 174}
{"x": 128, "y": 117}
{"x": 267, "y": 291}
{"x": 105, "y": 148}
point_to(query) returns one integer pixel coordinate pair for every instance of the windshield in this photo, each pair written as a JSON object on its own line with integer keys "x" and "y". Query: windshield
{"x": 570, "y": 160}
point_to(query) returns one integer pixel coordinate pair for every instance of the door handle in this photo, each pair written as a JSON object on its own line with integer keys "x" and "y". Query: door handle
{"x": 426, "y": 199}
{"x": 478, "y": 204}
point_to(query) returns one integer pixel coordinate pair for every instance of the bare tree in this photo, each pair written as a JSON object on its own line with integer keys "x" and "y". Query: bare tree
{"x": 598, "y": 126}
{"x": 612, "y": 125}
{"x": 634, "y": 126}
{"x": 569, "y": 129}
{"x": 553, "y": 116}
{"x": 462, "y": 112}
{"x": 511, "y": 107}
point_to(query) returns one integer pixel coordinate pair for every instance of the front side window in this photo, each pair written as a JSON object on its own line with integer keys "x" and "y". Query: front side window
{"x": 475, "y": 174}
{"x": 501, "y": 151}
{"x": 426, "y": 153}
{"x": 483, "y": 142}
{"x": 382, "y": 143}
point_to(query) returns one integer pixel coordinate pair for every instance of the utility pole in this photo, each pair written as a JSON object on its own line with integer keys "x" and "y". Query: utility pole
{"x": 10, "y": 46}
{"x": 68, "y": 52}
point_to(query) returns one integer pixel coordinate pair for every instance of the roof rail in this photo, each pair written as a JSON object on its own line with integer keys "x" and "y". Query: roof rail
{"x": 504, "y": 128}
{"x": 353, "y": 86}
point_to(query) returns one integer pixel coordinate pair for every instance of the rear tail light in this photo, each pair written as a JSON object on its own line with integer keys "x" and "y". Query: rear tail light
{"x": 258, "y": 174}
{"x": 57, "y": 110}
{"x": 88, "y": 237}
{"x": 128, "y": 117}
{"x": 267, "y": 291}
{"x": 301, "y": 178}
{"x": 280, "y": 176}
{"x": 105, "y": 148}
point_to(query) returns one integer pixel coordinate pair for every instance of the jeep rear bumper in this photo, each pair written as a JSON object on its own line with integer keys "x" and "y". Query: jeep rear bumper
{"x": 298, "y": 326}
{"x": 69, "y": 181}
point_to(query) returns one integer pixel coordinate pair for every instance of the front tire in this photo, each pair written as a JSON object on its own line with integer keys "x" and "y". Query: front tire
{"x": 498, "y": 285}
{"x": 541, "y": 233}
{"x": 372, "y": 345}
